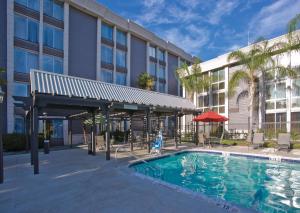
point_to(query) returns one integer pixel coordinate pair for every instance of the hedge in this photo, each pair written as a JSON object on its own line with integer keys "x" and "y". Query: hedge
{"x": 17, "y": 142}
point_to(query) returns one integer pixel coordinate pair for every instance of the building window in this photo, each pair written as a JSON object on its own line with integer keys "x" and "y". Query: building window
{"x": 107, "y": 54}
{"x": 162, "y": 72}
{"x": 32, "y": 4}
{"x": 54, "y": 9}
{"x": 121, "y": 78}
{"x": 152, "y": 52}
{"x": 181, "y": 62}
{"x": 106, "y": 76}
{"x": 161, "y": 87}
{"x": 107, "y": 32}
{"x": 203, "y": 102}
{"x": 121, "y": 58}
{"x": 19, "y": 124}
{"x": 275, "y": 122}
{"x": 296, "y": 93}
{"x": 219, "y": 102}
{"x": 121, "y": 37}
{"x": 24, "y": 60}
{"x": 152, "y": 68}
{"x": 161, "y": 55}
{"x": 52, "y": 64}
{"x": 295, "y": 122}
{"x": 26, "y": 29}
{"x": 218, "y": 80}
{"x": 276, "y": 96}
{"x": 20, "y": 89}
{"x": 57, "y": 129}
{"x": 53, "y": 37}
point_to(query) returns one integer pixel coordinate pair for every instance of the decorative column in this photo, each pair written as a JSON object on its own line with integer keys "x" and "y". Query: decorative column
{"x": 226, "y": 71}
{"x": 93, "y": 132}
{"x": 34, "y": 143}
{"x": 107, "y": 133}
{"x": 289, "y": 104}
{"x": 176, "y": 129}
{"x": 70, "y": 136}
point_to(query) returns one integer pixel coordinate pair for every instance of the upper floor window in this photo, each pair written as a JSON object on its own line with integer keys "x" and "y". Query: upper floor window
{"x": 218, "y": 80}
{"x": 162, "y": 72}
{"x": 276, "y": 96}
{"x": 121, "y": 78}
{"x": 121, "y": 37}
{"x": 107, "y": 31}
{"x": 26, "y": 28}
{"x": 203, "y": 102}
{"x": 106, "y": 76}
{"x": 218, "y": 100}
{"x": 121, "y": 58}
{"x": 152, "y": 68}
{"x": 52, "y": 64}
{"x": 20, "y": 89}
{"x": 152, "y": 52}
{"x": 54, "y": 9}
{"x": 32, "y": 4}
{"x": 161, "y": 55}
{"x": 106, "y": 54}
{"x": 25, "y": 60}
{"x": 181, "y": 62}
{"x": 53, "y": 37}
{"x": 161, "y": 87}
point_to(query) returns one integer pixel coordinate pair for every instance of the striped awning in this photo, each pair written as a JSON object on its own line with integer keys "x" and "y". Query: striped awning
{"x": 64, "y": 85}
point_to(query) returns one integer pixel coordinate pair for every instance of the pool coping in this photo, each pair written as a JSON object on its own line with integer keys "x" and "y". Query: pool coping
{"x": 225, "y": 205}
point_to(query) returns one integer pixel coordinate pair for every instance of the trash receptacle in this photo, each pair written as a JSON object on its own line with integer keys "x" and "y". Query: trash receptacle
{"x": 46, "y": 146}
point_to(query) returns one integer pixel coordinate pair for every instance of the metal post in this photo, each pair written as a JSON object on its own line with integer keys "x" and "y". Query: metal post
{"x": 148, "y": 130}
{"x": 70, "y": 133}
{"x": 27, "y": 130}
{"x": 176, "y": 130}
{"x": 35, "y": 139}
{"x": 130, "y": 133}
{"x": 31, "y": 135}
{"x": 93, "y": 133}
{"x": 107, "y": 136}
{"x": 1, "y": 148}
{"x": 180, "y": 129}
{"x": 197, "y": 133}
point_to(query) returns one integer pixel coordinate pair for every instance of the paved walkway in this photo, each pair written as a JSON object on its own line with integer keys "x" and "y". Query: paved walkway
{"x": 72, "y": 181}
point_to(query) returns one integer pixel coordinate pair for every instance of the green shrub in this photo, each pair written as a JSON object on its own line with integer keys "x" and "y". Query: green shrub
{"x": 295, "y": 136}
{"x": 14, "y": 142}
{"x": 295, "y": 145}
{"x": 270, "y": 144}
{"x": 235, "y": 142}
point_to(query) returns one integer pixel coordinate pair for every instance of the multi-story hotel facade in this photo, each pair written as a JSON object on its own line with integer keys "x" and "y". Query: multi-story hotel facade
{"x": 77, "y": 38}
{"x": 278, "y": 105}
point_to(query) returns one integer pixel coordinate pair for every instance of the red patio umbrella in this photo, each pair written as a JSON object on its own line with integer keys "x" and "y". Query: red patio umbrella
{"x": 210, "y": 116}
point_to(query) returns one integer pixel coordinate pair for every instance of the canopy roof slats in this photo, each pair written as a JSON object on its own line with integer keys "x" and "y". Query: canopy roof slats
{"x": 63, "y": 85}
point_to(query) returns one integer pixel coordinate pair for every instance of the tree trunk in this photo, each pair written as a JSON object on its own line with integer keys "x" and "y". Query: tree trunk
{"x": 251, "y": 111}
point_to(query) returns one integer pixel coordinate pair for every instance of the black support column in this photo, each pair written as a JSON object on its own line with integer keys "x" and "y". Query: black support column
{"x": 176, "y": 129}
{"x": 130, "y": 132}
{"x": 35, "y": 129}
{"x": 93, "y": 133}
{"x": 107, "y": 133}
{"x": 70, "y": 133}
{"x": 148, "y": 130}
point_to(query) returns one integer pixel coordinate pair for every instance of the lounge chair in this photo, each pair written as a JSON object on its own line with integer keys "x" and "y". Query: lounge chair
{"x": 284, "y": 141}
{"x": 258, "y": 140}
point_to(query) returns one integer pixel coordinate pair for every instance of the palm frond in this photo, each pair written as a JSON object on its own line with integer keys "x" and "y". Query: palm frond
{"x": 238, "y": 55}
{"x": 235, "y": 79}
{"x": 286, "y": 71}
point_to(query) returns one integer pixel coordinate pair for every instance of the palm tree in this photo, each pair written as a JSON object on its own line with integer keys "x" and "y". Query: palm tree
{"x": 87, "y": 123}
{"x": 193, "y": 79}
{"x": 145, "y": 81}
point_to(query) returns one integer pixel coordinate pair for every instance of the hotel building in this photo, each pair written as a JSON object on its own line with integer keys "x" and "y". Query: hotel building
{"x": 77, "y": 38}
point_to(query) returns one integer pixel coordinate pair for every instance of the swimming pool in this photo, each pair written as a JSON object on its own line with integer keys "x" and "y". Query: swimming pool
{"x": 260, "y": 184}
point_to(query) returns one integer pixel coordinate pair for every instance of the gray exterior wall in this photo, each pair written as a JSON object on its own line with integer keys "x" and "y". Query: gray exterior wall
{"x": 239, "y": 110}
{"x": 3, "y": 58}
{"x": 137, "y": 59}
{"x": 172, "y": 81}
{"x": 82, "y": 44}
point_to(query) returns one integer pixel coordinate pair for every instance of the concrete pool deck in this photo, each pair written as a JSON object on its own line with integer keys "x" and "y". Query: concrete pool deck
{"x": 72, "y": 181}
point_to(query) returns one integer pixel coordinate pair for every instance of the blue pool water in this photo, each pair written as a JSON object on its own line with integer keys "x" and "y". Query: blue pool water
{"x": 262, "y": 185}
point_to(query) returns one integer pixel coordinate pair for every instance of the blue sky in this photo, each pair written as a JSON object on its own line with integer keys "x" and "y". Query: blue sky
{"x": 208, "y": 28}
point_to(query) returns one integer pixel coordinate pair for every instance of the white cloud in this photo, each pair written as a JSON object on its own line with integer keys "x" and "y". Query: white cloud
{"x": 222, "y": 8}
{"x": 274, "y": 18}
{"x": 191, "y": 39}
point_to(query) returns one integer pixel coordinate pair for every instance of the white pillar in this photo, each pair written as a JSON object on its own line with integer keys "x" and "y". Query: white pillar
{"x": 157, "y": 69}
{"x": 66, "y": 60}
{"x": 128, "y": 58}
{"x": 10, "y": 65}
{"x": 115, "y": 54}
{"x": 288, "y": 104}
{"x": 166, "y": 70}
{"x": 226, "y": 70}
{"x": 183, "y": 118}
{"x": 178, "y": 83}
{"x": 41, "y": 38}
{"x": 98, "y": 69}
{"x": 147, "y": 57}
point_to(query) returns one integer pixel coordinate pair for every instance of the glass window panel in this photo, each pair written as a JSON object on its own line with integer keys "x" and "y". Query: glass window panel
{"x": 221, "y": 98}
{"x": 107, "y": 31}
{"x": 48, "y": 7}
{"x": 161, "y": 87}
{"x": 58, "y": 39}
{"x": 48, "y": 36}
{"x": 20, "y": 60}
{"x": 295, "y": 102}
{"x": 152, "y": 52}
{"x": 222, "y": 85}
{"x": 280, "y": 90}
{"x": 270, "y": 117}
{"x": 215, "y": 109}
{"x": 34, "y": 4}
{"x": 281, "y": 117}
{"x": 161, "y": 55}
{"x": 106, "y": 54}
{"x": 152, "y": 68}
{"x": 20, "y": 27}
{"x": 121, "y": 78}
{"x": 107, "y": 76}
{"x": 215, "y": 99}
{"x": 270, "y": 91}
{"x": 57, "y": 129}
{"x": 47, "y": 63}
{"x": 221, "y": 109}
{"x": 121, "y": 58}
{"x": 270, "y": 105}
{"x": 162, "y": 72}
{"x": 200, "y": 101}
{"x": 206, "y": 100}
{"x": 281, "y": 104}
{"x": 20, "y": 89}
{"x": 215, "y": 87}
{"x": 19, "y": 125}
{"x": 296, "y": 88}
{"x": 33, "y": 30}
{"x": 32, "y": 61}
{"x": 270, "y": 76}
{"x": 121, "y": 37}
{"x": 58, "y": 11}
{"x": 215, "y": 77}
{"x": 23, "y": 2}
{"x": 221, "y": 75}
{"x": 58, "y": 65}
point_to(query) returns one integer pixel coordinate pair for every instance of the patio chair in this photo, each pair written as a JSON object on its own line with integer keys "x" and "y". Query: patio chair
{"x": 100, "y": 142}
{"x": 284, "y": 141}
{"x": 258, "y": 140}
